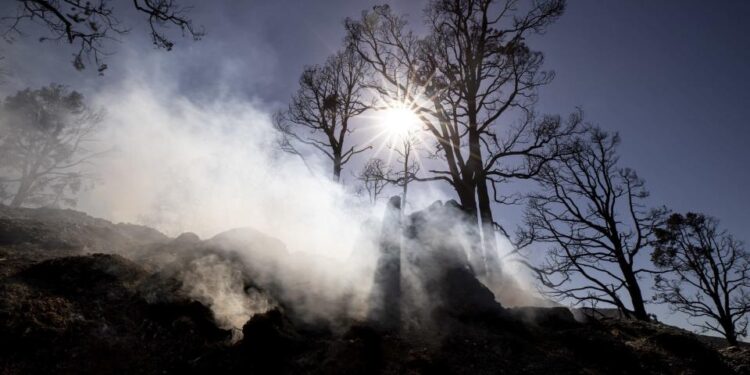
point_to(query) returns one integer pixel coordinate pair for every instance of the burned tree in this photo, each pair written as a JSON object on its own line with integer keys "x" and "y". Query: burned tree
{"x": 405, "y": 149}
{"x": 472, "y": 71}
{"x": 592, "y": 213}
{"x": 44, "y": 146}
{"x": 479, "y": 49}
{"x": 320, "y": 113}
{"x": 393, "y": 53}
{"x": 89, "y": 24}
{"x": 377, "y": 174}
{"x": 707, "y": 274}
{"x": 374, "y": 177}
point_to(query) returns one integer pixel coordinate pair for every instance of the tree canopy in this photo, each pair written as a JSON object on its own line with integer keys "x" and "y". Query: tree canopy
{"x": 45, "y": 140}
{"x": 90, "y": 25}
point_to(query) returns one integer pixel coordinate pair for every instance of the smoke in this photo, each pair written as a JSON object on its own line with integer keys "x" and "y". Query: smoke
{"x": 218, "y": 284}
{"x": 516, "y": 287}
{"x": 210, "y": 166}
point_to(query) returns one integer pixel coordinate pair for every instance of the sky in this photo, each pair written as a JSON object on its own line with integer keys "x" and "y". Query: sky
{"x": 670, "y": 76}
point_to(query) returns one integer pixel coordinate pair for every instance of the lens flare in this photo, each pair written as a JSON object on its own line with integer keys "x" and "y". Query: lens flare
{"x": 399, "y": 121}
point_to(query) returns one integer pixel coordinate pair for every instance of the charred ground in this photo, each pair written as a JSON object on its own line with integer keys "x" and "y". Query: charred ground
{"x": 70, "y": 303}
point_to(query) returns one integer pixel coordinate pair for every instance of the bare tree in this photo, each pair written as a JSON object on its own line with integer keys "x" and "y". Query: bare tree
{"x": 406, "y": 148}
{"x": 521, "y": 154}
{"x": 44, "y": 146}
{"x": 708, "y": 274}
{"x": 463, "y": 79}
{"x": 89, "y": 24}
{"x": 479, "y": 49}
{"x": 374, "y": 177}
{"x": 393, "y": 53}
{"x": 320, "y": 113}
{"x": 592, "y": 212}
{"x": 377, "y": 174}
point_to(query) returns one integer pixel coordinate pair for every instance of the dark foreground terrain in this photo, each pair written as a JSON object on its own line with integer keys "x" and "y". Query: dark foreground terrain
{"x": 70, "y": 305}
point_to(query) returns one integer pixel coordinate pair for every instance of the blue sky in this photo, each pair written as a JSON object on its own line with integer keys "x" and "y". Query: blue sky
{"x": 670, "y": 76}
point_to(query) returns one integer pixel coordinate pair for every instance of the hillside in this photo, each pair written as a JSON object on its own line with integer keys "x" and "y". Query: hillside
{"x": 83, "y": 295}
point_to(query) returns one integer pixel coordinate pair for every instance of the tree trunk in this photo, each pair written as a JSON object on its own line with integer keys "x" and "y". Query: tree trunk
{"x": 487, "y": 224}
{"x": 466, "y": 194}
{"x": 22, "y": 193}
{"x": 337, "y": 167}
{"x": 407, "y": 152}
{"x": 729, "y": 332}
{"x": 639, "y": 307}
{"x": 636, "y": 296}
{"x": 473, "y": 176}
{"x": 403, "y": 196}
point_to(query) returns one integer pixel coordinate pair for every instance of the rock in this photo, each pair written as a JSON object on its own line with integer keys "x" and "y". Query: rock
{"x": 187, "y": 238}
{"x": 544, "y": 316}
{"x": 738, "y": 358}
{"x": 87, "y": 314}
{"x": 435, "y": 248}
{"x": 67, "y": 232}
{"x": 268, "y": 332}
{"x": 261, "y": 252}
{"x": 106, "y": 274}
{"x": 269, "y": 340}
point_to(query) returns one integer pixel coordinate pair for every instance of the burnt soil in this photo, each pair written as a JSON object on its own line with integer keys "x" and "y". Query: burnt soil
{"x": 69, "y": 304}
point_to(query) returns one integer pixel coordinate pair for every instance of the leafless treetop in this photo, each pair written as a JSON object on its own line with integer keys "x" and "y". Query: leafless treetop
{"x": 89, "y": 24}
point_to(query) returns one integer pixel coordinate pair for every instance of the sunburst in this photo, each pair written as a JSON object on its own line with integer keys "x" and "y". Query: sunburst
{"x": 398, "y": 122}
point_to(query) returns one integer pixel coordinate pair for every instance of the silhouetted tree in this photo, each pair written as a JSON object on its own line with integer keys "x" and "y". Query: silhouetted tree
{"x": 708, "y": 274}
{"x": 89, "y": 24}
{"x": 479, "y": 49}
{"x": 467, "y": 75}
{"x": 320, "y": 113}
{"x": 592, "y": 212}
{"x": 44, "y": 139}
{"x": 374, "y": 177}
{"x": 406, "y": 149}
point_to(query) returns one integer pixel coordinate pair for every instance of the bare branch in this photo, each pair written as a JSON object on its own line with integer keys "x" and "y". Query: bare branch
{"x": 89, "y": 24}
{"x": 584, "y": 195}
{"x": 43, "y": 148}
{"x": 707, "y": 273}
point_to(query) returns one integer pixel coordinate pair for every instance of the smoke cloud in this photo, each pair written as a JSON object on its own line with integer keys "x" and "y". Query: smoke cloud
{"x": 210, "y": 166}
{"x": 218, "y": 284}
{"x": 181, "y": 166}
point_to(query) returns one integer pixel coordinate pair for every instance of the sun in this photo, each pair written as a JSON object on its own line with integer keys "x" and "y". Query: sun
{"x": 398, "y": 129}
{"x": 399, "y": 121}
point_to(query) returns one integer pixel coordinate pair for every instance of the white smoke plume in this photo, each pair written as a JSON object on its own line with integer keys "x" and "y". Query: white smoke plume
{"x": 218, "y": 284}
{"x": 208, "y": 167}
